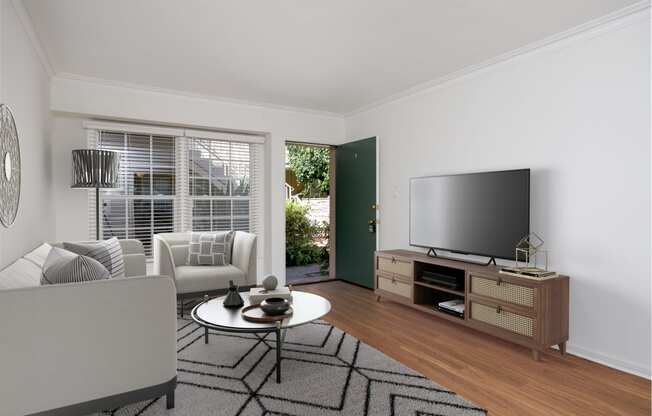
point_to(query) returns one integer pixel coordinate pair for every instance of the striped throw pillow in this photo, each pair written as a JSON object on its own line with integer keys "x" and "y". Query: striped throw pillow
{"x": 108, "y": 252}
{"x": 63, "y": 266}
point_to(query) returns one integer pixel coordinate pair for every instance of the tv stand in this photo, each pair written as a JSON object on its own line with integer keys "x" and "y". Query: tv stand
{"x": 532, "y": 313}
{"x": 432, "y": 253}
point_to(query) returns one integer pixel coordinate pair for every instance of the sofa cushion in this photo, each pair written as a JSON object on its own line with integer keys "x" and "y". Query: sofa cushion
{"x": 190, "y": 279}
{"x": 210, "y": 248}
{"x": 107, "y": 252}
{"x": 39, "y": 254}
{"x": 21, "y": 273}
{"x": 63, "y": 266}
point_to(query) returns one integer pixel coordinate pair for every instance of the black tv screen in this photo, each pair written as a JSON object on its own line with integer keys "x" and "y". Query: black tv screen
{"x": 477, "y": 213}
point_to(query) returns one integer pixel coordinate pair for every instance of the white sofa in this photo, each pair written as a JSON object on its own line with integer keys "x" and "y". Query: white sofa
{"x": 75, "y": 349}
{"x": 171, "y": 254}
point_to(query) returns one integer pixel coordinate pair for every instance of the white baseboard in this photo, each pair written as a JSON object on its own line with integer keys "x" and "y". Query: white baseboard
{"x": 618, "y": 364}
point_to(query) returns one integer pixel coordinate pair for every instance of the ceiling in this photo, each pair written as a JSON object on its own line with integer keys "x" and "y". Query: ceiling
{"x": 330, "y": 55}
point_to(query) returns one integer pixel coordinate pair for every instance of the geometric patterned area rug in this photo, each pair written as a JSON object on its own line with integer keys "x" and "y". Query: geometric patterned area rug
{"x": 325, "y": 372}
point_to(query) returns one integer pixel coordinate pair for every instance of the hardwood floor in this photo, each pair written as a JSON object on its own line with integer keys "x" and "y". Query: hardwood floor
{"x": 494, "y": 374}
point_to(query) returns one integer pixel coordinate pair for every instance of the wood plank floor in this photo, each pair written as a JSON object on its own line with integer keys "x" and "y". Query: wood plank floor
{"x": 497, "y": 375}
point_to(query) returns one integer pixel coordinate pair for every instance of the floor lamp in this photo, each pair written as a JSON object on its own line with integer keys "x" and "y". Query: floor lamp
{"x": 92, "y": 168}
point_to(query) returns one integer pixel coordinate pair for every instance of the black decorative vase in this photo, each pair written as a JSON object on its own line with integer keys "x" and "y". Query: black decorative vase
{"x": 233, "y": 299}
{"x": 274, "y": 306}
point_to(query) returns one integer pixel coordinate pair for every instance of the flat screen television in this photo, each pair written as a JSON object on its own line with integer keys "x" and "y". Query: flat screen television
{"x": 484, "y": 214}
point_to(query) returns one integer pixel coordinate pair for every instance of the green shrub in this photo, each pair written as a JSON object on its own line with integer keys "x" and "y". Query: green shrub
{"x": 300, "y": 248}
{"x": 310, "y": 165}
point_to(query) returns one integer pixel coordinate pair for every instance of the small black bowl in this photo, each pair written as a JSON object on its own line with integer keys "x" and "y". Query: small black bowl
{"x": 274, "y": 306}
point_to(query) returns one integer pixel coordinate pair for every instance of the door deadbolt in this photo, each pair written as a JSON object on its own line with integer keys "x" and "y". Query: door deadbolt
{"x": 372, "y": 226}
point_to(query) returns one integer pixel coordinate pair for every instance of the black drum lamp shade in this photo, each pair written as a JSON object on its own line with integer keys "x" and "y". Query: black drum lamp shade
{"x": 93, "y": 168}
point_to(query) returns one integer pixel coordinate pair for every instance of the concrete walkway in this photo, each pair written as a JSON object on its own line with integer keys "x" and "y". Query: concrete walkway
{"x": 299, "y": 274}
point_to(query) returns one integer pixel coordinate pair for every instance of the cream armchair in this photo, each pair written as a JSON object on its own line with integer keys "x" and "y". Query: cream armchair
{"x": 171, "y": 253}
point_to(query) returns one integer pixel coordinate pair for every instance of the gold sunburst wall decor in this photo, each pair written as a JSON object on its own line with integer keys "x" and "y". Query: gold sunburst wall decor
{"x": 9, "y": 167}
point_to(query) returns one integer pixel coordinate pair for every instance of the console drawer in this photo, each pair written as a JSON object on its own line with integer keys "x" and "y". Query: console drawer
{"x": 496, "y": 316}
{"x": 395, "y": 286}
{"x": 394, "y": 265}
{"x": 498, "y": 289}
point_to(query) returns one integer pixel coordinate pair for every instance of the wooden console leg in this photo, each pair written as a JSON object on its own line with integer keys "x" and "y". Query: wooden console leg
{"x": 562, "y": 348}
{"x": 536, "y": 355}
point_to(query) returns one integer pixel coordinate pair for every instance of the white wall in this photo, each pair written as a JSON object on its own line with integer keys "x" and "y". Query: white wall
{"x": 74, "y": 100}
{"x": 24, "y": 87}
{"x": 577, "y": 114}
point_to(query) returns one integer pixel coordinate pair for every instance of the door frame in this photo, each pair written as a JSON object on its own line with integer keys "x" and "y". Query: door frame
{"x": 332, "y": 272}
{"x": 332, "y": 257}
{"x": 378, "y": 221}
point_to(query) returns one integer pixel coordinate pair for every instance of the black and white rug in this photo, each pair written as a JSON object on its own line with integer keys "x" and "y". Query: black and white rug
{"x": 325, "y": 372}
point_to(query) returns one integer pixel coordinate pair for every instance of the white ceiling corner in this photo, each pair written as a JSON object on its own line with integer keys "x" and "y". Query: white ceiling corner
{"x": 26, "y": 21}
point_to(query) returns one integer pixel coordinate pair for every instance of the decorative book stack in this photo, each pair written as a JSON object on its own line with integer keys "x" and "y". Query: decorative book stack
{"x": 258, "y": 294}
{"x": 529, "y": 273}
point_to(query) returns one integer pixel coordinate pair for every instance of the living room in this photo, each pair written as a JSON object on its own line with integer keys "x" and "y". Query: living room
{"x": 177, "y": 116}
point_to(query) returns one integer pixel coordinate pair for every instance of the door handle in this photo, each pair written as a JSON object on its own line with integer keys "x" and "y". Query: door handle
{"x": 372, "y": 226}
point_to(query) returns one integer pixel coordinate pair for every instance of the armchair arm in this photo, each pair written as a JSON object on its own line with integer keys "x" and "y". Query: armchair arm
{"x": 97, "y": 338}
{"x": 163, "y": 259}
{"x": 133, "y": 254}
{"x": 244, "y": 255}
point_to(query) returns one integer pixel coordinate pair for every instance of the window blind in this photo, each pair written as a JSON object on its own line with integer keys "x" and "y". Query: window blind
{"x": 180, "y": 184}
{"x": 220, "y": 187}
{"x": 143, "y": 203}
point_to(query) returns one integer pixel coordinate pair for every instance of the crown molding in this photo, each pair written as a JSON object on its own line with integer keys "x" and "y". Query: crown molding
{"x": 591, "y": 28}
{"x": 26, "y": 21}
{"x": 66, "y": 76}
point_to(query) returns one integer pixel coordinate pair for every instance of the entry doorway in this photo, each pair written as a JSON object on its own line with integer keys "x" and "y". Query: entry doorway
{"x": 309, "y": 213}
{"x": 331, "y": 212}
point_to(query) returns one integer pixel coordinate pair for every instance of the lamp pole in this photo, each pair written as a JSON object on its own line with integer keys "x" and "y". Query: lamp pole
{"x": 97, "y": 212}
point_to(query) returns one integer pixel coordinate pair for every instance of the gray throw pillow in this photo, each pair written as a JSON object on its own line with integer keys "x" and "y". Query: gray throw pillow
{"x": 63, "y": 266}
{"x": 210, "y": 248}
{"x": 108, "y": 252}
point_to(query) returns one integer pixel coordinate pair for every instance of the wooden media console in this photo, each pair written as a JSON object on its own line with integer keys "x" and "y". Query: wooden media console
{"x": 532, "y": 313}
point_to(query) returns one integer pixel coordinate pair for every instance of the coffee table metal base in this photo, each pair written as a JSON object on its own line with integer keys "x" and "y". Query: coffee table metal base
{"x": 280, "y": 338}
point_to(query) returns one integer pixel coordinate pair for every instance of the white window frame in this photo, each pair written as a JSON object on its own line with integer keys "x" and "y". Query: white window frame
{"x": 182, "y": 210}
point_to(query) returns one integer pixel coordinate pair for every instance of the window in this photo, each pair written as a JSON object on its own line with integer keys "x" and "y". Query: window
{"x": 180, "y": 181}
{"x": 219, "y": 184}
{"x": 143, "y": 203}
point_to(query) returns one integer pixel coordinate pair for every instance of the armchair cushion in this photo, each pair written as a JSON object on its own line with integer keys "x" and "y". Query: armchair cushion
{"x": 191, "y": 279}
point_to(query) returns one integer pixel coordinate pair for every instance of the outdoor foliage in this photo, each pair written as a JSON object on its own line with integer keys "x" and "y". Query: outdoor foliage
{"x": 310, "y": 165}
{"x": 300, "y": 232}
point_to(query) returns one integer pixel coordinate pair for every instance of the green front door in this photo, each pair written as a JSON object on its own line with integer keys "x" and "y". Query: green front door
{"x": 355, "y": 199}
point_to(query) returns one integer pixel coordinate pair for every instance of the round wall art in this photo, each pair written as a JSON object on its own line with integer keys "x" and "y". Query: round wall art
{"x": 9, "y": 167}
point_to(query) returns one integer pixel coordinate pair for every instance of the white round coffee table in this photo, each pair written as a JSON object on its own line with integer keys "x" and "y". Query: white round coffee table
{"x": 212, "y": 314}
